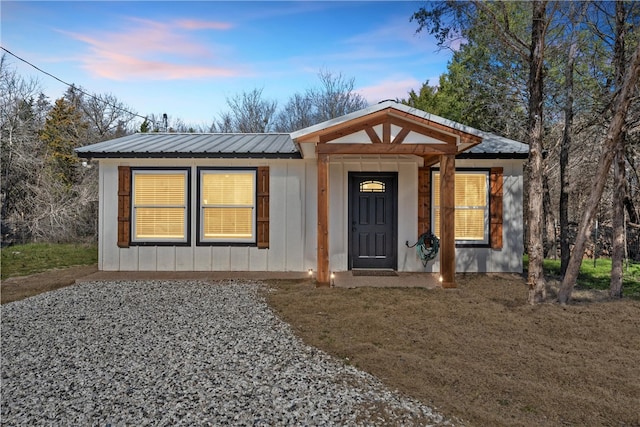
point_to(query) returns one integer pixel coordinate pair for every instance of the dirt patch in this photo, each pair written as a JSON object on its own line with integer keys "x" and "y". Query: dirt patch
{"x": 479, "y": 352}
{"x": 17, "y": 288}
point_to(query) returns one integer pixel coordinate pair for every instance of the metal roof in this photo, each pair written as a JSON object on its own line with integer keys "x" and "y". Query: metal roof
{"x": 277, "y": 145}
{"x": 496, "y": 147}
{"x": 189, "y": 145}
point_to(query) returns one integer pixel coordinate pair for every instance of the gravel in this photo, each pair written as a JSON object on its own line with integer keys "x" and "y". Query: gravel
{"x": 178, "y": 353}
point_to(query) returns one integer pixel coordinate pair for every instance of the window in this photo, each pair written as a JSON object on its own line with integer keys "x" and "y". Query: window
{"x": 372, "y": 187}
{"x": 160, "y": 205}
{"x": 227, "y": 203}
{"x": 471, "y": 206}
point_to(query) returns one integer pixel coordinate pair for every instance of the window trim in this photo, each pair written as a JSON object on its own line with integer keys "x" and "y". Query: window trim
{"x": 187, "y": 206}
{"x": 200, "y": 239}
{"x": 486, "y": 242}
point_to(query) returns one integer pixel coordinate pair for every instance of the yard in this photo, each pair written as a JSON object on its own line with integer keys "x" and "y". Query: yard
{"x": 478, "y": 352}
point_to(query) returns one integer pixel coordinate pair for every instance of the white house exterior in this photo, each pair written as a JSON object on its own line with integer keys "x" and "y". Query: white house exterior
{"x": 255, "y": 202}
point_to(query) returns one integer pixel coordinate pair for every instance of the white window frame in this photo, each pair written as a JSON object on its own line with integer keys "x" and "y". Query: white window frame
{"x": 486, "y": 172}
{"x": 160, "y": 171}
{"x": 201, "y": 207}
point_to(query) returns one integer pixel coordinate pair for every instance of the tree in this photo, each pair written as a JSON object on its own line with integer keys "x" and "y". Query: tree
{"x": 22, "y": 111}
{"x": 619, "y": 178}
{"x": 335, "y": 97}
{"x": 63, "y": 131}
{"x": 482, "y": 24}
{"x": 249, "y": 113}
{"x": 535, "y": 279}
{"x": 298, "y": 113}
{"x": 615, "y": 129}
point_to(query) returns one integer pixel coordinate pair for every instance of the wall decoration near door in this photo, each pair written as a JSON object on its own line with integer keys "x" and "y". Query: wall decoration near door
{"x": 373, "y": 210}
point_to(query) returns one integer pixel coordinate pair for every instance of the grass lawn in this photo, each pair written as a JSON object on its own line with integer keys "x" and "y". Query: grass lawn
{"x": 598, "y": 277}
{"x": 22, "y": 260}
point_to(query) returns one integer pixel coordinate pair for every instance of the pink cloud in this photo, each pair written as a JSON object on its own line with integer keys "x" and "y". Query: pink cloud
{"x": 153, "y": 50}
{"x": 389, "y": 89}
{"x": 116, "y": 66}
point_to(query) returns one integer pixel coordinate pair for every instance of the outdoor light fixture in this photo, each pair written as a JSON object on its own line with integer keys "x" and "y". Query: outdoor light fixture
{"x": 440, "y": 279}
{"x": 333, "y": 279}
{"x": 310, "y": 272}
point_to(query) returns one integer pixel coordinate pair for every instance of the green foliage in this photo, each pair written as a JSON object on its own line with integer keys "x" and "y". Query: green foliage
{"x": 22, "y": 260}
{"x": 145, "y": 127}
{"x": 599, "y": 276}
{"x": 486, "y": 83}
{"x": 62, "y": 132}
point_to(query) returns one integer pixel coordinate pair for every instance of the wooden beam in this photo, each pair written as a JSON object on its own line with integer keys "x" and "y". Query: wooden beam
{"x": 417, "y": 149}
{"x": 323, "y": 276}
{"x": 430, "y": 161}
{"x": 447, "y": 220}
{"x": 465, "y": 137}
{"x": 386, "y": 133}
{"x": 424, "y": 199}
{"x": 427, "y": 131}
{"x": 398, "y": 118}
{"x": 373, "y": 136}
{"x": 400, "y": 137}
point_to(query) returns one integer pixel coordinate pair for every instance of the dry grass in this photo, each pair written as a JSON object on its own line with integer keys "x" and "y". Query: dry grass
{"x": 478, "y": 352}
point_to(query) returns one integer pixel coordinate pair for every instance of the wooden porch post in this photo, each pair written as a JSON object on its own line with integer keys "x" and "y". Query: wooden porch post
{"x": 447, "y": 220}
{"x": 323, "y": 221}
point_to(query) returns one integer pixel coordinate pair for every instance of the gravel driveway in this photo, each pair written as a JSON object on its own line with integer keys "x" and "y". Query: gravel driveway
{"x": 178, "y": 353}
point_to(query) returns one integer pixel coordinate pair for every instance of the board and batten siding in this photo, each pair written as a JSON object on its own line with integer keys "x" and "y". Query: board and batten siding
{"x": 291, "y": 247}
{"x": 509, "y": 257}
{"x": 293, "y": 219}
{"x": 407, "y": 170}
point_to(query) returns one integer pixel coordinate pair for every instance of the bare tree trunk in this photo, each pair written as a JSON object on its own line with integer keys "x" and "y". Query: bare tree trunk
{"x": 621, "y": 106}
{"x": 618, "y": 248}
{"x": 619, "y": 179}
{"x": 535, "y": 279}
{"x": 549, "y": 221}
{"x": 565, "y": 251}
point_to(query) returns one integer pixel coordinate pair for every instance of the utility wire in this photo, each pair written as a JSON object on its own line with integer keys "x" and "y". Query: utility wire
{"x": 73, "y": 86}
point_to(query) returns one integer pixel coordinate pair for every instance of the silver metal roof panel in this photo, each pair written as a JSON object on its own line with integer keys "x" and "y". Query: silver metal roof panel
{"x": 214, "y": 145}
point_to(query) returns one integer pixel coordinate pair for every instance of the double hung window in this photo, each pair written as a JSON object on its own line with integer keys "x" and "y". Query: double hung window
{"x": 471, "y": 206}
{"x": 160, "y": 205}
{"x": 227, "y": 205}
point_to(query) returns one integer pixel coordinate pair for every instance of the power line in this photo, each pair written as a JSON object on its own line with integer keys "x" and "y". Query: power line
{"x": 73, "y": 86}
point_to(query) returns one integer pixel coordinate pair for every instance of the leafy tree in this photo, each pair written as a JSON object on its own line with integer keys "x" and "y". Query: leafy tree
{"x": 512, "y": 35}
{"x": 145, "y": 127}
{"x": 620, "y": 109}
{"x": 63, "y": 131}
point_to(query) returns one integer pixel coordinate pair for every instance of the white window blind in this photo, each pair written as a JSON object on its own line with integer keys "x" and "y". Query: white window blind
{"x": 471, "y": 206}
{"x": 159, "y": 205}
{"x": 228, "y": 205}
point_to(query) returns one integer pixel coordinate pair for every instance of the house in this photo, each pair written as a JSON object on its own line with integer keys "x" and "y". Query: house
{"x": 352, "y": 192}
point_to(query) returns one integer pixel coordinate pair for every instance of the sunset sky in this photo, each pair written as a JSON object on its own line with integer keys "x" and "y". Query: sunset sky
{"x": 187, "y": 58}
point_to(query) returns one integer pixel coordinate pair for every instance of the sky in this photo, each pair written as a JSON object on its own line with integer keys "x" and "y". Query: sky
{"x": 186, "y": 59}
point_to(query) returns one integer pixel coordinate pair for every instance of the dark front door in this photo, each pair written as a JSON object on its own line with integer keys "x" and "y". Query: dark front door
{"x": 373, "y": 207}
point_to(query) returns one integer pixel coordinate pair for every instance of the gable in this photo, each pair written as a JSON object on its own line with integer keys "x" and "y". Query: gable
{"x": 388, "y": 130}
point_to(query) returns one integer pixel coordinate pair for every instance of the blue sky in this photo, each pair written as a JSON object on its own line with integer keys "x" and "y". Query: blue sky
{"x": 187, "y": 58}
